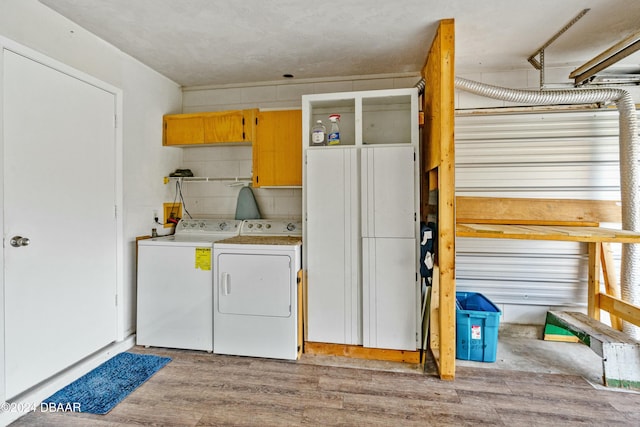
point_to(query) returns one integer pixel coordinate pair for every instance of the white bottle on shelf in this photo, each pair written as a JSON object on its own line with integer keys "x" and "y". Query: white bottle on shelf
{"x": 318, "y": 134}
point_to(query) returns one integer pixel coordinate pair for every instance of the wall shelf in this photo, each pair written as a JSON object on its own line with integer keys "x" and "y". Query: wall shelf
{"x": 232, "y": 180}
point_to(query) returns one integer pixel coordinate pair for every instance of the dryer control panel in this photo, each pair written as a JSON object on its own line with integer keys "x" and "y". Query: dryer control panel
{"x": 271, "y": 227}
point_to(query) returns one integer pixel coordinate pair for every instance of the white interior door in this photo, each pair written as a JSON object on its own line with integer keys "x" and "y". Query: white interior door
{"x": 60, "y": 193}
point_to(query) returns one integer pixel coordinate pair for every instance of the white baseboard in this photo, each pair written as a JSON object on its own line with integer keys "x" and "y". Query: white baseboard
{"x": 31, "y": 399}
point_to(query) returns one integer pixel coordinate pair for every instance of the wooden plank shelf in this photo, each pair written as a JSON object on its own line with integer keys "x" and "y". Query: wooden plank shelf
{"x": 546, "y": 232}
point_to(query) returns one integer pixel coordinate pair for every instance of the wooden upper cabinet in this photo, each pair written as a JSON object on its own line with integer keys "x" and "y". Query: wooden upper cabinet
{"x": 209, "y": 128}
{"x": 179, "y": 130}
{"x": 277, "y": 149}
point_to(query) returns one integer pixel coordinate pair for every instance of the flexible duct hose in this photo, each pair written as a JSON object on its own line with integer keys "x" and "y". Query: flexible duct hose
{"x": 629, "y": 162}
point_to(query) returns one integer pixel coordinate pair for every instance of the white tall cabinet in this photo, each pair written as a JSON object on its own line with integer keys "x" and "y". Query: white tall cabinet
{"x": 361, "y": 204}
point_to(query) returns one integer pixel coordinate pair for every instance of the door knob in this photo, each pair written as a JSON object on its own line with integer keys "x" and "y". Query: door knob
{"x": 17, "y": 241}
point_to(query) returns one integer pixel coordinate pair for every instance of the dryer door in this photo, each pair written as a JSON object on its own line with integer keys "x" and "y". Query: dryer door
{"x": 254, "y": 284}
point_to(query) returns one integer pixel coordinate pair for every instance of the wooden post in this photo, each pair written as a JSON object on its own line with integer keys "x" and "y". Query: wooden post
{"x": 438, "y": 137}
{"x": 593, "y": 298}
{"x": 611, "y": 285}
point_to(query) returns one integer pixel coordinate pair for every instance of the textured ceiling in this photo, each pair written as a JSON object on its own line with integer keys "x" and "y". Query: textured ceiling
{"x": 213, "y": 42}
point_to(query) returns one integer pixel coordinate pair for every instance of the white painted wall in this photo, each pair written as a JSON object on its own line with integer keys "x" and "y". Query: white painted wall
{"x": 147, "y": 95}
{"x": 218, "y": 199}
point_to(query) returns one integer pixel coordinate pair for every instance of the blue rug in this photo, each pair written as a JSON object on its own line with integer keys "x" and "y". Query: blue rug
{"x": 98, "y": 391}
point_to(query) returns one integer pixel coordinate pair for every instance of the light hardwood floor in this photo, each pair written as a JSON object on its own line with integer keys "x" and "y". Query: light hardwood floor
{"x": 200, "y": 389}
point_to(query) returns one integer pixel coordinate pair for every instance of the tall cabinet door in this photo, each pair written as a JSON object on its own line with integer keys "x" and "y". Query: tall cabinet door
{"x": 388, "y": 192}
{"x": 389, "y": 267}
{"x": 333, "y": 246}
{"x": 389, "y": 293}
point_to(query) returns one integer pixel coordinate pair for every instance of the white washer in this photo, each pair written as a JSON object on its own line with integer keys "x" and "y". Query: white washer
{"x": 256, "y": 291}
{"x": 175, "y": 285}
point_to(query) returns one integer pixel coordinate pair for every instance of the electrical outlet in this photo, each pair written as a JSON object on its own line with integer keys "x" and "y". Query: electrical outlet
{"x": 172, "y": 211}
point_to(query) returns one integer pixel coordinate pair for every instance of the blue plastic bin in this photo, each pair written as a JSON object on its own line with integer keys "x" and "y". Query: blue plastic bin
{"x": 477, "y": 323}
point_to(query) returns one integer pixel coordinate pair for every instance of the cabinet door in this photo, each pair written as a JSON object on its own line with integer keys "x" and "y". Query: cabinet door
{"x": 223, "y": 126}
{"x": 209, "y": 128}
{"x": 333, "y": 246}
{"x": 277, "y": 149}
{"x": 389, "y": 288}
{"x": 249, "y": 119}
{"x": 182, "y": 130}
{"x": 388, "y": 192}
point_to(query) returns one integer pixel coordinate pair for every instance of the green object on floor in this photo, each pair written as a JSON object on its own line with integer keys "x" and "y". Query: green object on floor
{"x": 556, "y": 333}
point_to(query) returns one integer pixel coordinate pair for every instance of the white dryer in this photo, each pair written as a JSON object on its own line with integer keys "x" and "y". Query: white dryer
{"x": 256, "y": 291}
{"x": 175, "y": 285}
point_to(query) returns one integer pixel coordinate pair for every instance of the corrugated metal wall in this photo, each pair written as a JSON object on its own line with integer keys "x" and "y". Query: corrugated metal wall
{"x": 570, "y": 155}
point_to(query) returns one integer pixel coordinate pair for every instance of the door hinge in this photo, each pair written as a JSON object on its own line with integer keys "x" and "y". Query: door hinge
{"x": 256, "y": 121}
{"x": 243, "y": 121}
{"x": 243, "y": 136}
{"x": 116, "y": 300}
{"x": 115, "y": 211}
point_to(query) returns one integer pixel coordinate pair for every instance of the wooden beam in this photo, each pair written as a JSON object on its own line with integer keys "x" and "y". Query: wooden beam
{"x": 621, "y": 309}
{"x": 611, "y": 285}
{"x": 438, "y": 143}
{"x": 359, "y": 352}
{"x": 496, "y": 210}
{"x": 547, "y": 232}
{"x": 434, "y": 316}
{"x": 593, "y": 297}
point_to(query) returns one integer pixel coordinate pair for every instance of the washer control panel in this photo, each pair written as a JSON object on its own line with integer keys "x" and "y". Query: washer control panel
{"x": 271, "y": 227}
{"x": 205, "y": 226}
